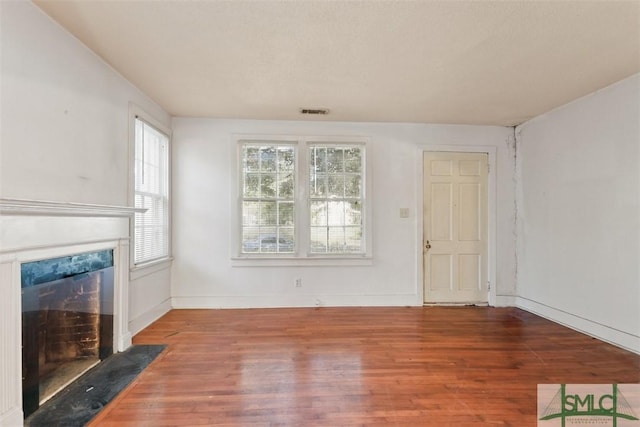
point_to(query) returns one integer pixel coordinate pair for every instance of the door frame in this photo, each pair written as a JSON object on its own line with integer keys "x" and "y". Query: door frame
{"x": 492, "y": 212}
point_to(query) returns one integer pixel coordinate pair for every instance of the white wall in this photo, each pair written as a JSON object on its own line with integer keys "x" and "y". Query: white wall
{"x": 203, "y": 274}
{"x": 64, "y": 128}
{"x": 579, "y": 214}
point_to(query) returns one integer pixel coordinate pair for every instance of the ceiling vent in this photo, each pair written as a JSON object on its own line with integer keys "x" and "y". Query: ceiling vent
{"x": 315, "y": 111}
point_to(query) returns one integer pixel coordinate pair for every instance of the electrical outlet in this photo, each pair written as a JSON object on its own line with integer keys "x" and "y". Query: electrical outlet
{"x": 404, "y": 212}
{"x": 298, "y": 282}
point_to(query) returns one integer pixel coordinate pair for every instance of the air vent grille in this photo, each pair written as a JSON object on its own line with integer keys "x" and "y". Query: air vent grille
{"x": 314, "y": 111}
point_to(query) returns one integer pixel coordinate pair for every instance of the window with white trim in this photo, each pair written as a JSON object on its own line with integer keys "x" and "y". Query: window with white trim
{"x": 301, "y": 199}
{"x": 268, "y": 198}
{"x": 335, "y": 199}
{"x": 151, "y": 192}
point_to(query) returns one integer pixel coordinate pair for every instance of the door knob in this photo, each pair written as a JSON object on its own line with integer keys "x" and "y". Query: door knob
{"x": 427, "y": 245}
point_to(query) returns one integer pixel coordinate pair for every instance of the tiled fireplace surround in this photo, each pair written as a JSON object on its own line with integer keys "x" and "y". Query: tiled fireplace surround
{"x": 37, "y": 230}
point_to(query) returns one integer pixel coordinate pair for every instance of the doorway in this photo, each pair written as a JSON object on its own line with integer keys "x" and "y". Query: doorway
{"x": 455, "y": 228}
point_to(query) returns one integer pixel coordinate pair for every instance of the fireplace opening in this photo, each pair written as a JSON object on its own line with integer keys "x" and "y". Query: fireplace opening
{"x": 67, "y": 322}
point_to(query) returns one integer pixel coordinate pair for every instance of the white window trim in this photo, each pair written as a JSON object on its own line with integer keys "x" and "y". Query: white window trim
{"x": 160, "y": 263}
{"x": 302, "y": 256}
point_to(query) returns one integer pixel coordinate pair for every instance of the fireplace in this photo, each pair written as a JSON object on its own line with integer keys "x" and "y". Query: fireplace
{"x": 67, "y": 321}
{"x": 36, "y": 230}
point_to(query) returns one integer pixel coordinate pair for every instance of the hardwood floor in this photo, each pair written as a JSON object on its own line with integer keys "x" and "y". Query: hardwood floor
{"x": 431, "y": 366}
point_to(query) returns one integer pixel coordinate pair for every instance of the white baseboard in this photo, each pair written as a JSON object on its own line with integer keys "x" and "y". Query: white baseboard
{"x": 12, "y": 418}
{"x": 602, "y": 332}
{"x": 277, "y": 301}
{"x": 148, "y": 317}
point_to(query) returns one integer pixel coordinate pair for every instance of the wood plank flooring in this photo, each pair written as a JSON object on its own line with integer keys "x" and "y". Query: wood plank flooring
{"x": 431, "y": 366}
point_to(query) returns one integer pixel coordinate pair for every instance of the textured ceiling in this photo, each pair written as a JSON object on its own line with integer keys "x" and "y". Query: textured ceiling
{"x": 466, "y": 62}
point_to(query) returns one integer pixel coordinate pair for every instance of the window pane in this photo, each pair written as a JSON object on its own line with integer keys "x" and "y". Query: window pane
{"x": 336, "y": 239}
{"x": 286, "y": 242}
{"x": 336, "y": 183}
{"x": 268, "y": 208}
{"x": 318, "y": 159}
{"x": 268, "y": 240}
{"x": 285, "y": 213}
{"x": 250, "y": 239}
{"x": 250, "y": 213}
{"x": 318, "y": 239}
{"x": 268, "y": 159}
{"x": 319, "y": 213}
{"x": 286, "y": 159}
{"x": 336, "y": 213}
{"x": 352, "y": 160}
{"x": 336, "y": 186}
{"x": 353, "y": 239}
{"x": 353, "y": 213}
{"x": 268, "y": 213}
{"x": 251, "y": 159}
{"x": 285, "y": 186}
{"x": 268, "y": 186}
{"x": 318, "y": 187}
{"x": 335, "y": 160}
{"x": 251, "y": 185}
{"x": 352, "y": 186}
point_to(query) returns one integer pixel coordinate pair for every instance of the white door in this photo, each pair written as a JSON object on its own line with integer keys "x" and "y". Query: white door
{"x": 455, "y": 227}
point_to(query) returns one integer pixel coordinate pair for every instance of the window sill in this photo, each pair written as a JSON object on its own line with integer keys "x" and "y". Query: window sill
{"x": 319, "y": 261}
{"x": 148, "y": 268}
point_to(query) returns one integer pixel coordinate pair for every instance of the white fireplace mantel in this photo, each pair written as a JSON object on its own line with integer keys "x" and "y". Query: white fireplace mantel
{"x": 42, "y": 207}
{"x": 32, "y": 230}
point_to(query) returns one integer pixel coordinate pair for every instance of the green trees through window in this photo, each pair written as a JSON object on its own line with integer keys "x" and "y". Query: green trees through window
{"x": 333, "y": 198}
{"x": 268, "y": 206}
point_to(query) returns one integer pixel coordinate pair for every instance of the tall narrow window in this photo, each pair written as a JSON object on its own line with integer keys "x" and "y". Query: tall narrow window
{"x": 336, "y": 192}
{"x": 268, "y": 197}
{"x": 151, "y": 171}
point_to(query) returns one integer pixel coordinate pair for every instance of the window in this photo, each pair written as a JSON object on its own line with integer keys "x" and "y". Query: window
{"x": 151, "y": 192}
{"x": 302, "y": 199}
{"x": 268, "y": 198}
{"x": 335, "y": 191}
